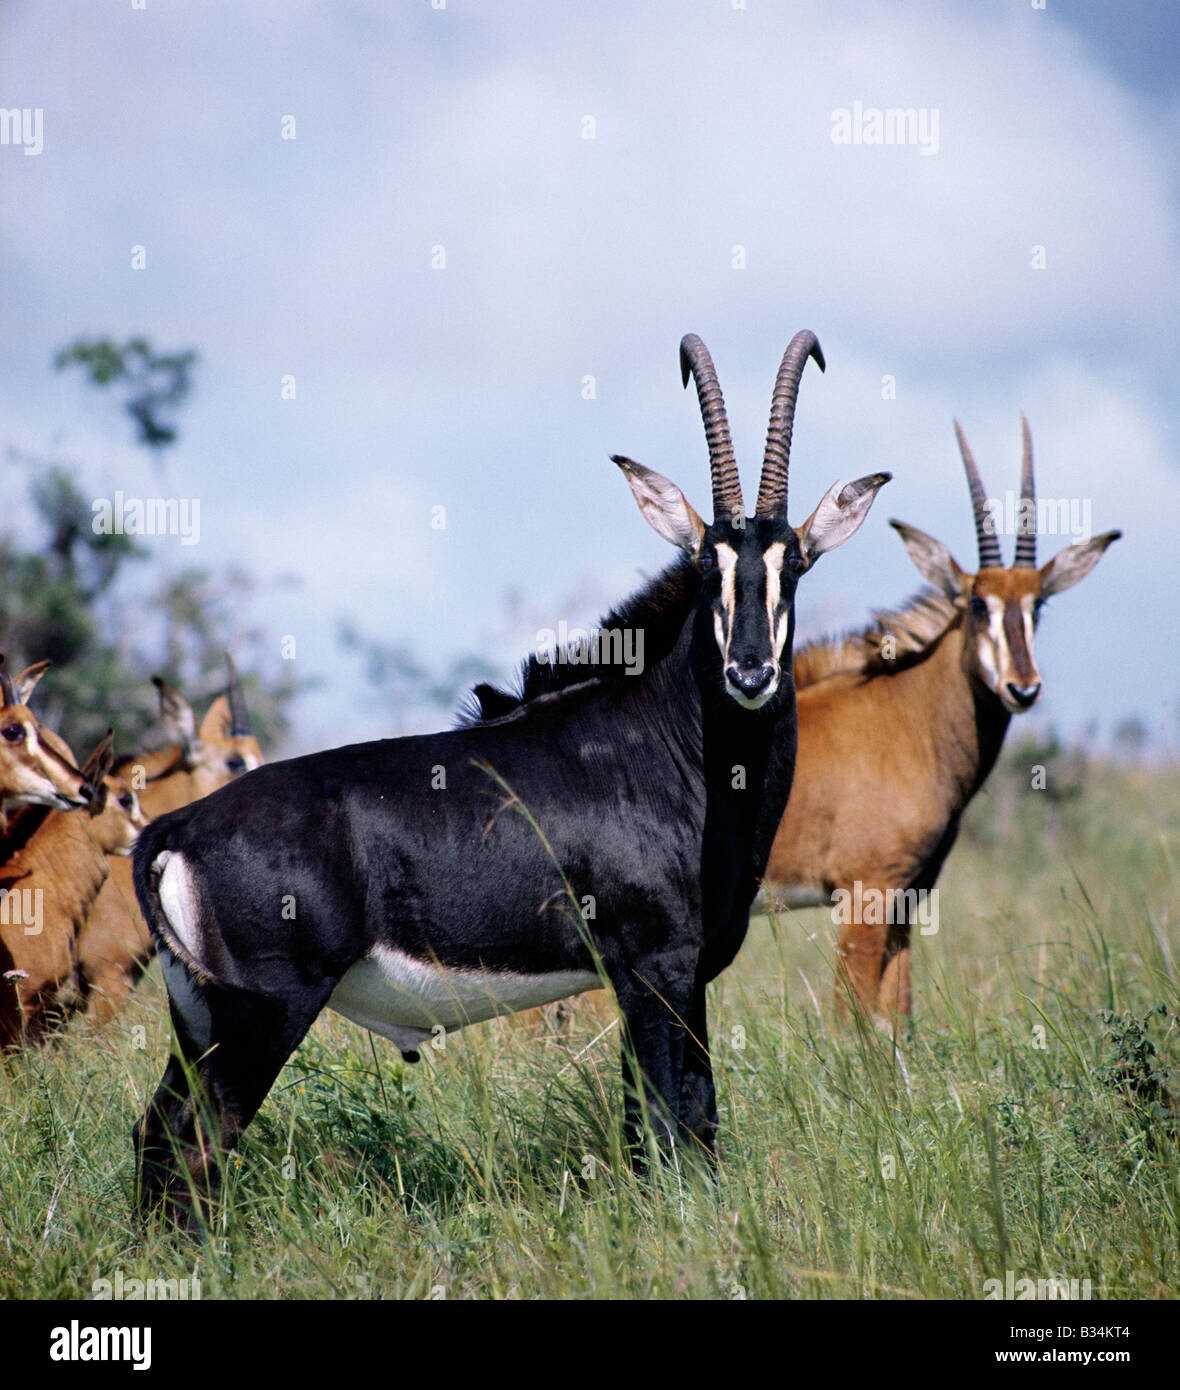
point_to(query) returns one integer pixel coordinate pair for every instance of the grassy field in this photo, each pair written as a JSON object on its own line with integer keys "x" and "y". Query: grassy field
{"x": 1025, "y": 1125}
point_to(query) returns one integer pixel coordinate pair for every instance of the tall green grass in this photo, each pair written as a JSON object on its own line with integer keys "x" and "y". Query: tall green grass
{"x": 1025, "y": 1123}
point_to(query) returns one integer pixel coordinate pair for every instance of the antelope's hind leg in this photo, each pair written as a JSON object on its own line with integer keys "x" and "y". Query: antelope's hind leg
{"x": 231, "y": 1044}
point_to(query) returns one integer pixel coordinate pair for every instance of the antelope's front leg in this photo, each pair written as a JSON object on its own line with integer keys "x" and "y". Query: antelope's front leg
{"x": 860, "y": 952}
{"x": 698, "y": 1097}
{"x": 654, "y": 1043}
{"x": 895, "y": 994}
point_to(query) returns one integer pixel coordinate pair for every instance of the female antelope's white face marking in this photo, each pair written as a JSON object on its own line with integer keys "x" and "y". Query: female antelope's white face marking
{"x": 1002, "y": 609}
{"x": 753, "y": 606}
{"x": 35, "y": 771}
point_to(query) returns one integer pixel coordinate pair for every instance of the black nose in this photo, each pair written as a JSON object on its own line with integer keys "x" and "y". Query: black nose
{"x": 86, "y": 792}
{"x": 1024, "y": 695}
{"x": 751, "y": 679}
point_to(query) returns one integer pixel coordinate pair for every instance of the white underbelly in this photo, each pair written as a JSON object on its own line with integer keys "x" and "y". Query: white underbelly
{"x": 405, "y": 999}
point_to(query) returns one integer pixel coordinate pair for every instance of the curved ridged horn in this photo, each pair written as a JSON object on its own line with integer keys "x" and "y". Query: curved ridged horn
{"x": 727, "y": 486}
{"x": 1026, "y": 518}
{"x": 239, "y": 718}
{"x": 989, "y": 545}
{"x": 772, "y": 490}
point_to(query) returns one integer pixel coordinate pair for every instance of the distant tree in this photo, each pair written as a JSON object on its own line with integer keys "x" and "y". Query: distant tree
{"x": 1130, "y": 735}
{"x": 152, "y": 384}
{"x": 66, "y": 596}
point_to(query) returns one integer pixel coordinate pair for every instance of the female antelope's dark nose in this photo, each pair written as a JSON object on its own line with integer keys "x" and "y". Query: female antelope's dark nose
{"x": 86, "y": 792}
{"x": 1024, "y": 695}
{"x": 751, "y": 679}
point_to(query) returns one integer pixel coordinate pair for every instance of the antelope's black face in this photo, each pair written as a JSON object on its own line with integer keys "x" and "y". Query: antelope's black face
{"x": 750, "y": 565}
{"x": 750, "y": 573}
{"x": 750, "y": 570}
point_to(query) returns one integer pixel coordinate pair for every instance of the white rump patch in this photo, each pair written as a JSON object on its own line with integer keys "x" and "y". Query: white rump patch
{"x": 404, "y": 999}
{"x": 179, "y": 902}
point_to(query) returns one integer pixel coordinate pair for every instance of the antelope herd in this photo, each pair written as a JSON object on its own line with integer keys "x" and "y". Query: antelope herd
{"x": 71, "y": 934}
{"x": 594, "y": 827}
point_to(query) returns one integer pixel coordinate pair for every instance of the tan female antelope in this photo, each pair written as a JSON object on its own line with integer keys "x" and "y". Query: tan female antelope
{"x": 899, "y": 726}
{"x": 53, "y": 869}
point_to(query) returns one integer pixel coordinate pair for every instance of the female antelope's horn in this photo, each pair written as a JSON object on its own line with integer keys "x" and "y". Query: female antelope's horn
{"x": 1026, "y": 520}
{"x": 727, "y": 486}
{"x": 239, "y": 717}
{"x": 772, "y": 490}
{"x": 7, "y": 690}
{"x": 989, "y": 546}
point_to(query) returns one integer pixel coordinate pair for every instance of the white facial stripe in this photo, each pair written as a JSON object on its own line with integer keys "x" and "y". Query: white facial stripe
{"x": 1027, "y": 604}
{"x": 727, "y": 563}
{"x": 777, "y": 629}
{"x": 990, "y": 648}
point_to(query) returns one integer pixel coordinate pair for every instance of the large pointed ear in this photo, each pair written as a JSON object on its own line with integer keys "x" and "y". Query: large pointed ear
{"x": 98, "y": 764}
{"x": 839, "y": 515}
{"x": 663, "y": 506}
{"x": 216, "y": 723}
{"x": 176, "y": 715}
{"x": 1067, "y": 567}
{"x": 26, "y": 682}
{"x": 935, "y": 562}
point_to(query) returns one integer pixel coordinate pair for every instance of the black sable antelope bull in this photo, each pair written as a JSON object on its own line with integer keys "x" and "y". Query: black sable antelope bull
{"x": 391, "y": 881}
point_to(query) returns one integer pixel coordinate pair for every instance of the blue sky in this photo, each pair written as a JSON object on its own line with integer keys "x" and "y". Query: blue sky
{"x": 569, "y": 257}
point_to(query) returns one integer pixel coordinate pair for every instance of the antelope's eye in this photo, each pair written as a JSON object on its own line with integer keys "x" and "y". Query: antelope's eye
{"x": 14, "y": 733}
{"x": 978, "y": 607}
{"x": 127, "y": 801}
{"x": 1038, "y": 608}
{"x": 706, "y": 562}
{"x": 796, "y": 564}
{"x": 236, "y": 764}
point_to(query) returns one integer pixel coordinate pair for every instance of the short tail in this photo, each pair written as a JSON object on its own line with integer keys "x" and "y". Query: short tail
{"x": 151, "y": 855}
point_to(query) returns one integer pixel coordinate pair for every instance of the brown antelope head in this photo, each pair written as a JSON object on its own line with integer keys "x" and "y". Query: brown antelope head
{"x": 35, "y": 768}
{"x": 1001, "y": 606}
{"x": 203, "y": 758}
{"x": 115, "y": 815}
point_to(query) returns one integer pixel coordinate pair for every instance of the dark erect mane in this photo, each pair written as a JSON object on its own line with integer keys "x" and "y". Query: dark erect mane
{"x": 915, "y": 627}
{"x": 659, "y": 610}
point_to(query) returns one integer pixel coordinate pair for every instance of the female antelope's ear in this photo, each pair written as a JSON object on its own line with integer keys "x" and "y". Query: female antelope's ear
{"x": 176, "y": 715}
{"x": 935, "y": 562}
{"x": 839, "y": 515}
{"x": 26, "y": 682}
{"x": 1069, "y": 566}
{"x": 664, "y": 506}
{"x": 98, "y": 764}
